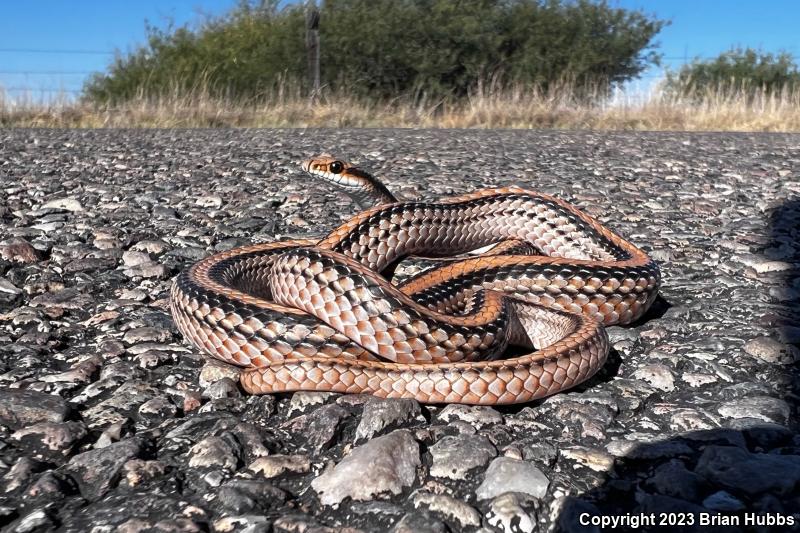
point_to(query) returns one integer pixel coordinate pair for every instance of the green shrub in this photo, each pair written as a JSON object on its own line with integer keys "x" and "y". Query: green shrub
{"x": 738, "y": 70}
{"x": 389, "y": 48}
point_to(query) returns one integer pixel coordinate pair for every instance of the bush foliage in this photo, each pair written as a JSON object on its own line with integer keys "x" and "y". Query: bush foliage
{"x": 738, "y": 70}
{"x": 389, "y": 48}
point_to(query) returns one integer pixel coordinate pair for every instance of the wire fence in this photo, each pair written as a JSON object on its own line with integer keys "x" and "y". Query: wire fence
{"x": 33, "y": 85}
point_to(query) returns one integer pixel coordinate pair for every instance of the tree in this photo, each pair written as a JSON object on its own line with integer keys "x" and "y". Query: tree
{"x": 737, "y": 70}
{"x": 389, "y": 48}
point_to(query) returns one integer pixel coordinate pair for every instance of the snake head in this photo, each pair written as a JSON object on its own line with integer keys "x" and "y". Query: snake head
{"x": 340, "y": 173}
{"x": 365, "y": 189}
{"x": 329, "y": 169}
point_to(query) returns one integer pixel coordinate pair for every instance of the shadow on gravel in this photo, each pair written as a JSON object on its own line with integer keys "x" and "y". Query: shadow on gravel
{"x": 743, "y": 477}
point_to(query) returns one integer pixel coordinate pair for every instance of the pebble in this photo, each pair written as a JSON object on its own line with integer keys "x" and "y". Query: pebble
{"x": 19, "y": 407}
{"x": 319, "y": 427}
{"x": 380, "y": 414}
{"x": 223, "y": 388}
{"x": 98, "y": 471}
{"x": 765, "y": 408}
{"x": 19, "y": 251}
{"x": 67, "y": 204}
{"x": 450, "y": 509}
{"x": 770, "y": 350}
{"x": 391, "y": 461}
{"x": 55, "y": 436}
{"x": 474, "y": 415}
{"x": 302, "y": 400}
{"x": 418, "y": 522}
{"x": 593, "y": 458}
{"x": 454, "y": 456}
{"x": 276, "y": 465}
{"x": 657, "y": 375}
{"x": 223, "y": 451}
{"x": 138, "y": 471}
{"x": 507, "y": 515}
{"x": 511, "y": 475}
{"x": 214, "y": 371}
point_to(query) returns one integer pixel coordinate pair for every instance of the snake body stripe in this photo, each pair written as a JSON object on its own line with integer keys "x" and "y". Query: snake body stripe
{"x": 301, "y": 315}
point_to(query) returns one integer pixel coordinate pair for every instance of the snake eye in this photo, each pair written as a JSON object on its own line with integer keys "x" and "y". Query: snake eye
{"x": 336, "y": 167}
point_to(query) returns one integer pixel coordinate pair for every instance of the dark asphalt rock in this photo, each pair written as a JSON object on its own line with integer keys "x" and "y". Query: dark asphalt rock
{"x": 98, "y": 471}
{"x": 751, "y": 473}
{"x": 20, "y": 408}
{"x": 320, "y": 427}
{"x": 109, "y": 420}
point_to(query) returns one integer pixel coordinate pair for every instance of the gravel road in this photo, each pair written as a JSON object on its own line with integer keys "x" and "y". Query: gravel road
{"x": 110, "y": 422}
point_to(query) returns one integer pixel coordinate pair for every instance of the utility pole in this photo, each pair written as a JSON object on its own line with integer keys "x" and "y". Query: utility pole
{"x": 312, "y": 47}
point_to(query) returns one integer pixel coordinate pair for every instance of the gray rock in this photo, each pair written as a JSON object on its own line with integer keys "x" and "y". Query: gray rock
{"x": 507, "y": 515}
{"x": 276, "y": 465}
{"x": 36, "y": 521}
{"x": 158, "y": 407}
{"x": 139, "y": 471}
{"x": 302, "y": 400}
{"x": 123, "y": 401}
{"x": 67, "y": 204}
{"x": 146, "y": 270}
{"x": 454, "y": 456}
{"x": 391, "y": 461}
{"x": 240, "y": 496}
{"x": 20, "y": 473}
{"x": 723, "y": 502}
{"x": 749, "y": 473}
{"x": 450, "y": 509}
{"x": 380, "y": 414}
{"x": 772, "y": 351}
{"x": 223, "y": 388}
{"x": 132, "y": 258}
{"x": 419, "y": 522}
{"x": 214, "y": 371}
{"x": 223, "y": 451}
{"x": 19, "y": 407}
{"x": 146, "y": 334}
{"x": 657, "y": 375}
{"x": 319, "y": 427}
{"x": 476, "y": 415}
{"x": 19, "y": 251}
{"x": 64, "y": 299}
{"x": 534, "y": 449}
{"x": 99, "y": 471}
{"x": 249, "y": 523}
{"x": 765, "y": 408}
{"x": 54, "y": 436}
{"x": 511, "y": 475}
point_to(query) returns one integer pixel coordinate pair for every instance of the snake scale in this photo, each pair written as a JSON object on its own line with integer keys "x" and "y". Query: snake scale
{"x": 520, "y": 322}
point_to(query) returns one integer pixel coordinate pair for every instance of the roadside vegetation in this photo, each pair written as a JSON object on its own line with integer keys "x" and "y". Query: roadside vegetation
{"x": 423, "y": 63}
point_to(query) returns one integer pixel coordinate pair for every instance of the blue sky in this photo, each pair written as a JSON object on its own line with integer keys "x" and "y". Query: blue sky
{"x": 699, "y": 28}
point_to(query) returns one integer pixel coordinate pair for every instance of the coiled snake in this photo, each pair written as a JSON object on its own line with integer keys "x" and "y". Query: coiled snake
{"x": 318, "y": 315}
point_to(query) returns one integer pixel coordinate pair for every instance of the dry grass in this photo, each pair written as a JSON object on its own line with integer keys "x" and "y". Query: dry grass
{"x": 509, "y": 108}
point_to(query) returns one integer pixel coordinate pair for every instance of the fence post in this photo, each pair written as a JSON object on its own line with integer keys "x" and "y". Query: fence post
{"x": 312, "y": 47}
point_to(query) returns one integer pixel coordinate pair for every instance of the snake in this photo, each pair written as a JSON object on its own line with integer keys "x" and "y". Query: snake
{"x": 521, "y": 321}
